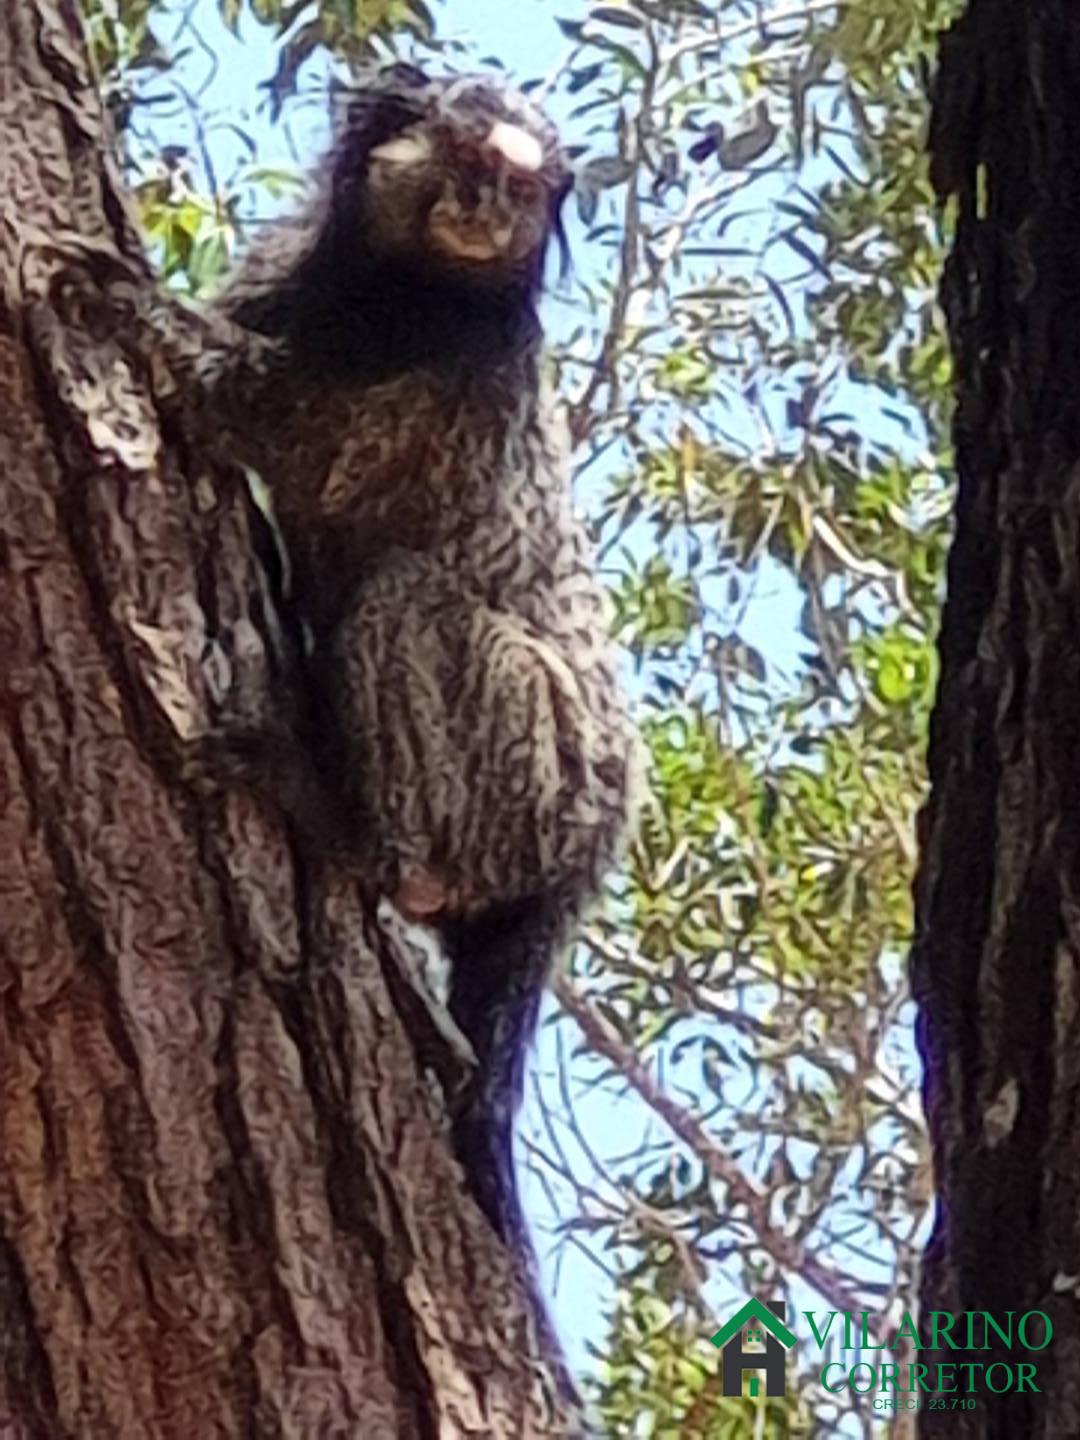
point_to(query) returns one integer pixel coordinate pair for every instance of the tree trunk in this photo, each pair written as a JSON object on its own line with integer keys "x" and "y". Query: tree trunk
{"x": 228, "y": 1205}
{"x": 997, "y": 960}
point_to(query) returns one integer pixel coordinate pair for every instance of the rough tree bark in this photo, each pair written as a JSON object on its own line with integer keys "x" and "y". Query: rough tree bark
{"x": 997, "y": 960}
{"x": 227, "y": 1201}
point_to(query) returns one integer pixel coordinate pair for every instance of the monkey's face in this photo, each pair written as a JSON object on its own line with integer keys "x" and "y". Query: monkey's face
{"x": 470, "y": 181}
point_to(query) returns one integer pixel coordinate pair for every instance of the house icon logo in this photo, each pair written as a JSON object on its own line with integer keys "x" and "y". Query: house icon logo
{"x": 761, "y": 1321}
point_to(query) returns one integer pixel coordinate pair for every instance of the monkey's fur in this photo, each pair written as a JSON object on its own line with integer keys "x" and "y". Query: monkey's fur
{"x": 484, "y": 757}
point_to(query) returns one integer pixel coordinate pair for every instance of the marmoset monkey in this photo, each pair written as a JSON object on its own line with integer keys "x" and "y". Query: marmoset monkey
{"x": 421, "y": 484}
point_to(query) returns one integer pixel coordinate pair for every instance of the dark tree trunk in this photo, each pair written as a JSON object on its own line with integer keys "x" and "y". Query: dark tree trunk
{"x": 227, "y": 1201}
{"x": 997, "y": 960}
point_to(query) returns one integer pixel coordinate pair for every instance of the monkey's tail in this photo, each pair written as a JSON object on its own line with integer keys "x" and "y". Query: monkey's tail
{"x": 500, "y": 964}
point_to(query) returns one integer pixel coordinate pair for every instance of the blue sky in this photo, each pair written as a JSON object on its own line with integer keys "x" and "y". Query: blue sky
{"x": 521, "y": 33}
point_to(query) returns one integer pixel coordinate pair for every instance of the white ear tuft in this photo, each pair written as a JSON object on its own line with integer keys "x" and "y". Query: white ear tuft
{"x": 412, "y": 148}
{"x": 516, "y": 145}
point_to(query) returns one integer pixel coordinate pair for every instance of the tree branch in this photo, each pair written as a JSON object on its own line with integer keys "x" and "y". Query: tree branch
{"x": 792, "y": 1257}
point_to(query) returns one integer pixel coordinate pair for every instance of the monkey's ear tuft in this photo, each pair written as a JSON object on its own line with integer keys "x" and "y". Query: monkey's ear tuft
{"x": 396, "y": 81}
{"x": 403, "y": 75}
{"x": 377, "y": 105}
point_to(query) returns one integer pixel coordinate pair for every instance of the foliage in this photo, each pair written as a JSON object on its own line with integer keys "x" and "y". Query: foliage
{"x": 657, "y": 1369}
{"x": 776, "y": 377}
{"x": 758, "y": 381}
{"x": 347, "y": 27}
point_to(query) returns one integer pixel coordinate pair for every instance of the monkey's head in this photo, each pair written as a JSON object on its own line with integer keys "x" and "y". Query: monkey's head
{"x": 455, "y": 175}
{"x": 426, "y": 238}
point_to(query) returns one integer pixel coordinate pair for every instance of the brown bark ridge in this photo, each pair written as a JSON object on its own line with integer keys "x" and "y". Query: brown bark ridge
{"x": 227, "y": 1201}
{"x": 997, "y": 958}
